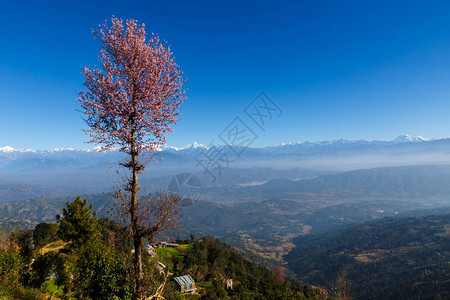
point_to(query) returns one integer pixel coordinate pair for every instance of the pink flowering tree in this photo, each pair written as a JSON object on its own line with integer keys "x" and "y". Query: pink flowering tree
{"x": 131, "y": 102}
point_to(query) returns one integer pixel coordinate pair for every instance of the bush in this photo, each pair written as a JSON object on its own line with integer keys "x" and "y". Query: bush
{"x": 45, "y": 233}
{"x": 42, "y": 268}
{"x": 10, "y": 267}
{"x": 101, "y": 273}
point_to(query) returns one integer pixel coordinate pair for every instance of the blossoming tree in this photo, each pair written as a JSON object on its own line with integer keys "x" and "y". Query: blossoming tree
{"x": 131, "y": 102}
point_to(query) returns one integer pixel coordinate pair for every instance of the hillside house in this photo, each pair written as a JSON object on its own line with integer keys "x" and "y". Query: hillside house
{"x": 160, "y": 266}
{"x": 151, "y": 251}
{"x": 166, "y": 244}
{"x": 186, "y": 284}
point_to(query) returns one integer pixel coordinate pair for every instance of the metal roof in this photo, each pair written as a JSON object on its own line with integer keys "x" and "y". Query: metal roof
{"x": 182, "y": 280}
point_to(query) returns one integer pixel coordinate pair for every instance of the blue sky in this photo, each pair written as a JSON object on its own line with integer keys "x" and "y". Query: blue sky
{"x": 338, "y": 69}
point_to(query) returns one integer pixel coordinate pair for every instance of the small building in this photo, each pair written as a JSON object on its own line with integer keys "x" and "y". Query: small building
{"x": 160, "y": 266}
{"x": 151, "y": 251}
{"x": 166, "y": 244}
{"x": 186, "y": 284}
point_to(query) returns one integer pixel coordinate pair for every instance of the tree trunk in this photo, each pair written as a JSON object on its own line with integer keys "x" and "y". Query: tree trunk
{"x": 136, "y": 235}
{"x": 138, "y": 264}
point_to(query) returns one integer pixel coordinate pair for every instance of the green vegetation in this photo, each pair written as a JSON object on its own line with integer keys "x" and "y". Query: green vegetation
{"x": 264, "y": 229}
{"x": 45, "y": 233}
{"x": 78, "y": 223}
{"x": 167, "y": 253}
{"x": 210, "y": 263}
{"x": 52, "y": 288}
{"x": 94, "y": 261}
{"x": 394, "y": 258}
{"x": 90, "y": 262}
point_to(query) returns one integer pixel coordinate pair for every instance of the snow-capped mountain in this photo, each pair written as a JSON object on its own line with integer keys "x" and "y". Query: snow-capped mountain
{"x": 192, "y": 146}
{"x": 409, "y": 139}
{"x": 200, "y": 147}
{"x": 15, "y": 160}
{"x": 89, "y": 170}
{"x": 7, "y": 149}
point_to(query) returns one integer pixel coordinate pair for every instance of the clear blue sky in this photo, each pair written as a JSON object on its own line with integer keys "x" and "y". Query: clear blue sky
{"x": 338, "y": 69}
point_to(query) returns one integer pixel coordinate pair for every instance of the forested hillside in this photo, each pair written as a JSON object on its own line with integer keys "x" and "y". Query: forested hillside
{"x": 85, "y": 257}
{"x": 210, "y": 263}
{"x": 264, "y": 228}
{"x": 393, "y": 258}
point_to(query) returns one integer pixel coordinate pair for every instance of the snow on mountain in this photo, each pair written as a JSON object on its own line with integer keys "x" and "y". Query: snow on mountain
{"x": 195, "y": 147}
{"x": 409, "y": 139}
{"x": 7, "y": 149}
{"x": 97, "y": 148}
{"x": 90, "y": 165}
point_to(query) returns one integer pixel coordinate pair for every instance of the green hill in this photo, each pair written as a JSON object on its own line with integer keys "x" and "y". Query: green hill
{"x": 84, "y": 257}
{"x": 393, "y": 258}
{"x": 210, "y": 263}
{"x": 263, "y": 228}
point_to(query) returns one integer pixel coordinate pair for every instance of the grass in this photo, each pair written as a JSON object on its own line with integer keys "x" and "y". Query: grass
{"x": 166, "y": 254}
{"x": 185, "y": 247}
{"x": 55, "y": 246}
{"x": 169, "y": 252}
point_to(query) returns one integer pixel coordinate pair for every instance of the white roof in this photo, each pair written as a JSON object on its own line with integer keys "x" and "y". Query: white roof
{"x": 182, "y": 280}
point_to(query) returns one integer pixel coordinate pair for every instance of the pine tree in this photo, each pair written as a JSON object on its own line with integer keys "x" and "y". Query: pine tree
{"x": 78, "y": 223}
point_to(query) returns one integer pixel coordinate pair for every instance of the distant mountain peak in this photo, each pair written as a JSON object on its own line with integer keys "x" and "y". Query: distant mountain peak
{"x": 194, "y": 145}
{"x": 7, "y": 149}
{"x": 197, "y": 146}
{"x": 409, "y": 139}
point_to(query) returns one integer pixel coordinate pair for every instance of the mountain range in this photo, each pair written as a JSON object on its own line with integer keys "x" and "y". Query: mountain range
{"x": 62, "y": 172}
{"x": 29, "y": 159}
